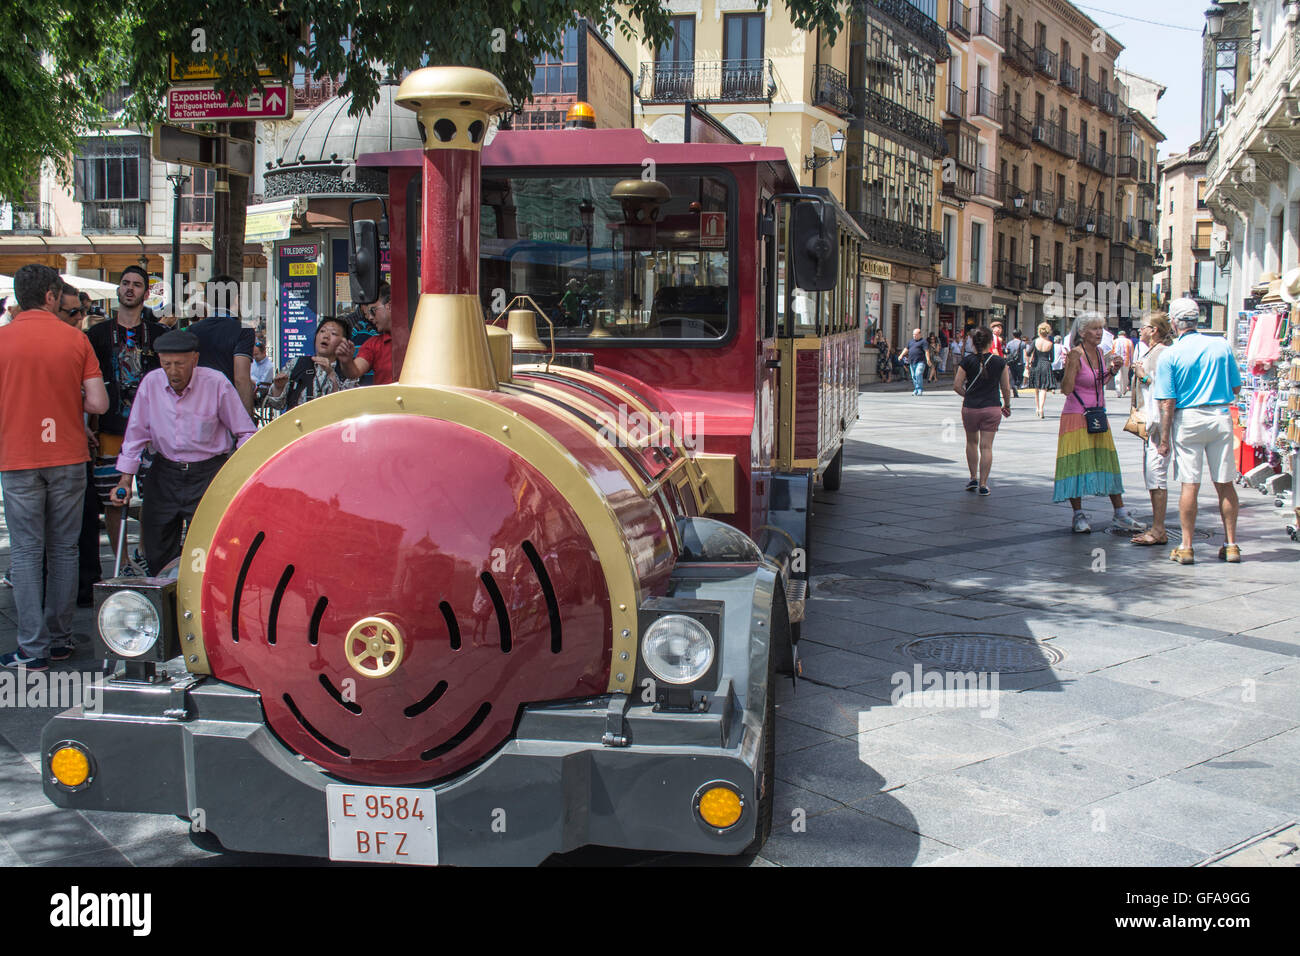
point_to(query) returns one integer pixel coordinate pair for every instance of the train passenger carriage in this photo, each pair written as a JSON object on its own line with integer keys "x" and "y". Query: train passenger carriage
{"x": 535, "y": 594}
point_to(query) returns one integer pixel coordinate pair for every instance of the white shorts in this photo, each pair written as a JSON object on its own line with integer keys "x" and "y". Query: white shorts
{"x": 1155, "y": 466}
{"x": 1203, "y": 433}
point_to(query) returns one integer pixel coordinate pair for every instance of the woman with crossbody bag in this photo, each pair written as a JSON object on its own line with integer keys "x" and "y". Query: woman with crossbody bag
{"x": 1086, "y": 460}
{"x": 978, "y": 380}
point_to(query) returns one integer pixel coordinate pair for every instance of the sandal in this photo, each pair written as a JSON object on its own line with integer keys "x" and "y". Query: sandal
{"x": 1183, "y": 555}
{"x": 1147, "y": 538}
{"x": 1229, "y": 552}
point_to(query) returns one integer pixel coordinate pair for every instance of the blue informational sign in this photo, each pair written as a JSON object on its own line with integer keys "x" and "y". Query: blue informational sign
{"x": 299, "y": 277}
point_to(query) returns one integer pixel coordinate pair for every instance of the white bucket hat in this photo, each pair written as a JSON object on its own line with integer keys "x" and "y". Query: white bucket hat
{"x": 1289, "y": 287}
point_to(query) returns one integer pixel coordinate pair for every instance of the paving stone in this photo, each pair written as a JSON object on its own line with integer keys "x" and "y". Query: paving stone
{"x": 937, "y": 739}
{"x": 1035, "y": 714}
{"x": 43, "y": 834}
{"x": 110, "y": 857}
{"x": 1073, "y": 839}
{"x": 972, "y": 858}
{"x": 1267, "y": 695}
{"x": 1189, "y": 815}
{"x": 849, "y": 838}
{"x": 1060, "y": 780}
{"x": 1123, "y": 744}
{"x": 792, "y": 735}
{"x": 788, "y": 798}
{"x": 1250, "y": 775}
{"x": 961, "y": 813}
{"x": 974, "y": 609}
{"x": 1195, "y": 669}
{"x": 843, "y": 712}
{"x": 1217, "y": 723}
{"x": 840, "y": 770}
{"x": 843, "y": 669}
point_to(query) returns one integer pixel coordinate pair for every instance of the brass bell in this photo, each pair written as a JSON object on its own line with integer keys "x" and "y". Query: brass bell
{"x": 522, "y": 326}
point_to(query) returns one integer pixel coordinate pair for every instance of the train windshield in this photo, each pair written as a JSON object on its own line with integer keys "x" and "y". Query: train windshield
{"x": 611, "y": 257}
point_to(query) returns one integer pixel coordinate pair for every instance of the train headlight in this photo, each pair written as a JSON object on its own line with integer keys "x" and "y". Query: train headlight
{"x": 678, "y": 649}
{"x": 129, "y": 623}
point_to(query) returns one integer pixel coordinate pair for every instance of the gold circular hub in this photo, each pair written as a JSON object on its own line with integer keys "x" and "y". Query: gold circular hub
{"x": 374, "y": 647}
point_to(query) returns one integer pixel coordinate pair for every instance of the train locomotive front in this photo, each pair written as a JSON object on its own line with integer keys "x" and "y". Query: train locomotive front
{"x": 472, "y": 589}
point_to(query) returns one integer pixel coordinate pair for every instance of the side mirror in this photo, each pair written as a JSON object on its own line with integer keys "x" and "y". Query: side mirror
{"x": 815, "y": 247}
{"x": 363, "y": 261}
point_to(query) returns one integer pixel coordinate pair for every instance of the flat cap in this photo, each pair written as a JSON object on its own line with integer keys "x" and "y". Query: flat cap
{"x": 1184, "y": 310}
{"x": 177, "y": 340}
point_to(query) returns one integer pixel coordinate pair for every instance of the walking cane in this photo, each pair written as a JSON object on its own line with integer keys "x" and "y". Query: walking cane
{"x": 120, "y": 494}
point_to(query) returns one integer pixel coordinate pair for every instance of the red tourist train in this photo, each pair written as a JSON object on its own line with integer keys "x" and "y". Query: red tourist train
{"x": 521, "y": 600}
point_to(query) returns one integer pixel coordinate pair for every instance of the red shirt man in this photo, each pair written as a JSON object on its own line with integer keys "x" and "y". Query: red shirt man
{"x": 377, "y": 351}
{"x": 996, "y": 348}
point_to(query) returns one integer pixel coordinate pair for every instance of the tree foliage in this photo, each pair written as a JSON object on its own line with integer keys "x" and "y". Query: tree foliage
{"x": 63, "y": 56}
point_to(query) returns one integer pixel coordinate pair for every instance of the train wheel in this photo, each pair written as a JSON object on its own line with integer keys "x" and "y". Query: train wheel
{"x": 834, "y": 471}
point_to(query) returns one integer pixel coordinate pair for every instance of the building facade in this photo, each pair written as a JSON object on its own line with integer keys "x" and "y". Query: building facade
{"x": 1056, "y": 162}
{"x": 1190, "y": 239}
{"x": 969, "y": 196}
{"x": 1251, "y": 119}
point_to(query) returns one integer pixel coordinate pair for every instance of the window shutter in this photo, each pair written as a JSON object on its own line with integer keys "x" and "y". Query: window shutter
{"x": 145, "y": 156}
{"x": 79, "y": 179}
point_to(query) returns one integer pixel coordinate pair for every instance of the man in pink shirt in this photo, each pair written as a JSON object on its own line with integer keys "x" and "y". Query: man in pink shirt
{"x": 188, "y": 415}
{"x": 1124, "y": 347}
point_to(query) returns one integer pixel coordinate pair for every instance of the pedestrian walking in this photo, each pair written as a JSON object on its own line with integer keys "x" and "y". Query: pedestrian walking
{"x": 1041, "y": 375}
{"x": 957, "y": 348}
{"x": 918, "y": 360}
{"x": 187, "y": 414}
{"x": 884, "y": 360}
{"x": 1086, "y": 461}
{"x": 1058, "y": 359}
{"x": 1015, "y": 356}
{"x": 1155, "y": 337}
{"x": 49, "y": 378}
{"x": 225, "y": 343}
{"x": 945, "y": 351}
{"x": 999, "y": 344}
{"x": 979, "y": 380}
{"x": 125, "y": 348}
{"x": 1123, "y": 348}
{"x": 932, "y": 353}
{"x": 1196, "y": 384}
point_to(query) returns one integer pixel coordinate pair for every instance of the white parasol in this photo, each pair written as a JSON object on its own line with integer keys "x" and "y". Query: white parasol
{"x": 92, "y": 287}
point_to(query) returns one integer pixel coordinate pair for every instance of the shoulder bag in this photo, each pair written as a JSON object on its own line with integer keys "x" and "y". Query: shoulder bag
{"x": 1137, "y": 419}
{"x": 1094, "y": 417}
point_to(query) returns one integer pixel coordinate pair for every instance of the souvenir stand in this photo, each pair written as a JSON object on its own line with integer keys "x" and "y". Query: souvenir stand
{"x": 1267, "y": 349}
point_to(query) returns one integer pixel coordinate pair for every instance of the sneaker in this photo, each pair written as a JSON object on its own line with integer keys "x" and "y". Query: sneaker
{"x": 131, "y": 569}
{"x": 984, "y": 490}
{"x": 972, "y": 484}
{"x": 18, "y": 660}
{"x": 1127, "y": 523}
{"x": 5, "y": 580}
{"x": 1081, "y": 525}
{"x": 61, "y": 652}
{"x": 1230, "y": 553}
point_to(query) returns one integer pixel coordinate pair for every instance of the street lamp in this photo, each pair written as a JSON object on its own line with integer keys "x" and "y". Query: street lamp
{"x": 177, "y": 179}
{"x": 1214, "y": 20}
{"x": 837, "y": 145}
{"x": 1224, "y": 259}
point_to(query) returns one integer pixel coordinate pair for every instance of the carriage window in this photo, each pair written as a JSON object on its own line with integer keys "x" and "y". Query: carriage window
{"x": 610, "y": 261}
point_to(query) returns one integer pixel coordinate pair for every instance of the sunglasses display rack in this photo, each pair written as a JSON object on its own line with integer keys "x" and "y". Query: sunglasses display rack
{"x": 1269, "y": 405}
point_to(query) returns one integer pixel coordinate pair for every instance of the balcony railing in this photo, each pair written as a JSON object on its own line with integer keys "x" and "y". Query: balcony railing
{"x": 1109, "y": 103}
{"x": 959, "y": 19}
{"x": 1065, "y": 211}
{"x": 1042, "y": 203}
{"x": 1015, "y": 126}
{"x": 1093, "y": 156}
{"x": 918, "y": 22}
{"x": 988, "y": 103}
{"x": 1167, "y": 246}
{"x": 1091, "y": 91}
{"x": 26, "y": 219}
{"x": 1045, "y": 61}
{"x": 888, "y": 232}
{"x": 1070, "y": 77}
{"x": 1015, "y": 201}
{"x": 1008, "y": 275}
{"x": 1126, "y": 167}
{"x": 956, "y": 100}
{"x": 1127, "y": 229}
{"x": 963, "y": 186}
{"x": 712, "y": 81}
{"x": 1105, "y": 225}
{"x": 114, "y": 218}
{"x": 990, "y": 24}
{"x": 831, "y": 90}
{"x": 986, "y": 183}
{"x": 309, "y": 94}
{"x": 1042, "y": 275}
{"x": 1146, "y": 231}
{"x": 1055, "y": 137}
{"x": 899, "y": 118}
{"x": 1019, "y": 55}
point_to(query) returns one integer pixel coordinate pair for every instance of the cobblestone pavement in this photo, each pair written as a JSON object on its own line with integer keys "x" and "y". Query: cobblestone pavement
{"x": 1159, "y": 724}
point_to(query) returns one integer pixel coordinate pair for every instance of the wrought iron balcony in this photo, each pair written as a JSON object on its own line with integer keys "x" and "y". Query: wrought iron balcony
{"x": 1105, "y": 225}
{"x": 956, "y": 100}
{"x": 1055, "y": 138}
{"x": 889, "y": 232}
{"x": 113, "y": 218}
{"x": 1070, "y": 77}
{"x": 1042, "y": 275}
{"x": 1045, "y": 61}
{"x": 26, "y": 219}
{"x": 708, "y": 81}
{"x": 1015, "y": 201}
{"x": 990, "y": 24}
{"x": 1126, "y": 167}
{"x": 1094, "y": 157}
{"x": 1015, "y": 126}
{"x": 899, "y": 118}
{"x": 986, "y": 183}
{"x": 1109, "y": 103}
{"x": 1146, "y": 231}
{"x": 914, "y": 19}
{"x": 1065, "y": 211}
{"x": 988, "y": 103}
{"x": 1127, "y": 229}
{"x": 1091, "y": 91}
{"x": 959, "y": 19}
{"x": 1042, "y": 203}
{"x": 831, "y": 90}
{"x": 963, "y": 186}
{"x": 1008, "y": 275}
{"x": 1019, "y": 54}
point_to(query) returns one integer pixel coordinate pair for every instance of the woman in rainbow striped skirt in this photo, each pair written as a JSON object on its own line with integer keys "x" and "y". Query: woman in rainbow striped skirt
{"x": 1086, "y": 462}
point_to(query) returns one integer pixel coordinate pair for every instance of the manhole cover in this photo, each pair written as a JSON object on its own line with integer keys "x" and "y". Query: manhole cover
{"x": 871, "y": 589}
{"x": 998, "y": 653}
{"x": 1174, "y": 534}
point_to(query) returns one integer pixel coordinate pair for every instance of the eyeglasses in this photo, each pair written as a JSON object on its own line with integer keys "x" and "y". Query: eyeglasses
{"x": 73, "y": 312}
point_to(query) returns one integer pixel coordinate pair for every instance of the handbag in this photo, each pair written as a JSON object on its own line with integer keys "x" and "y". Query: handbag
{"x": 1137, "y": 420}
{"x": 1094, "y": 417}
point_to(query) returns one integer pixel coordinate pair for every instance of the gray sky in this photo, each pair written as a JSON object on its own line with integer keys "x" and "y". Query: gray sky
{"x": 1160, "y": 50}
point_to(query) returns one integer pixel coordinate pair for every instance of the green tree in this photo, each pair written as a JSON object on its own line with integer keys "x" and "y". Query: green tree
{"x": 63, "y": 56}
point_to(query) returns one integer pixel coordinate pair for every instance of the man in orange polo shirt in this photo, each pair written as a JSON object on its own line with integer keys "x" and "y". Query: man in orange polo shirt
{"x": 49, "y": 377}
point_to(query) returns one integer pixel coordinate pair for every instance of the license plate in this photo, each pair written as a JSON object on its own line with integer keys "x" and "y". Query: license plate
{"x": 382, "y": 825}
